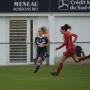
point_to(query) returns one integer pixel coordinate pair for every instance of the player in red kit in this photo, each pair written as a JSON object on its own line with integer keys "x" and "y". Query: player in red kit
{"x": 70, "y": 48}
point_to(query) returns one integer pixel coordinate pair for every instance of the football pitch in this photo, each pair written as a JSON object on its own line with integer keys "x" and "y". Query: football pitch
{"x": 73, "y": 77}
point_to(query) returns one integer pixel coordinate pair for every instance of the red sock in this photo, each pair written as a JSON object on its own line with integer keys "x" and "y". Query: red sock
{"x": 59, "y": 68}
{"x": 83, "y": 58}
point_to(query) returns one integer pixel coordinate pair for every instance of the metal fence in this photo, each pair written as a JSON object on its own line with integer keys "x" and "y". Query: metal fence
{"x": 23, "y": 55}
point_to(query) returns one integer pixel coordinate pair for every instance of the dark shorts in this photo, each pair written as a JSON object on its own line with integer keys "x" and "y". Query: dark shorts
{"x": 41, "y": 53}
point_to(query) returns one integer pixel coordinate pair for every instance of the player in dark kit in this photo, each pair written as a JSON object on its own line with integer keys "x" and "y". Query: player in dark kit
{"x": 70, "y": 48}
{"x": 41, "y": 42}
{"x": 46, "y": 34}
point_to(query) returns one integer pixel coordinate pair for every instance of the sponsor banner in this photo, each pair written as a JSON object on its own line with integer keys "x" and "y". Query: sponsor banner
{"x": 71, "y": 6}
{"x": 44, "y": 5}
{"x": 24, "y": 6}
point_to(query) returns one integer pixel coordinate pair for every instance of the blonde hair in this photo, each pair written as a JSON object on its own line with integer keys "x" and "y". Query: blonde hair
{"x": 44, "y": 29}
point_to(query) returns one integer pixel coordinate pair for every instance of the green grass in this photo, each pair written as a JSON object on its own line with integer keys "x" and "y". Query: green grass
{"x": 73, "y": 77}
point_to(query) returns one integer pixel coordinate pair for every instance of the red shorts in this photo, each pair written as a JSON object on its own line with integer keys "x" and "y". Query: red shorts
{"x": 70, "y": 52}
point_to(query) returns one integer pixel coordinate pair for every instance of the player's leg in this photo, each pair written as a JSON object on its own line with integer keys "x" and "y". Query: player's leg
{"x": 40, "y": 60}
{"x": 75, "y": 58}
{"x": 60, "y": 66}
{"x": 37, "y": 55}
{"x": 35, "y": 60}
{"x": 78, "y": 59}
{"x": 38, "y": 64}
{"x": 66, "y": 54}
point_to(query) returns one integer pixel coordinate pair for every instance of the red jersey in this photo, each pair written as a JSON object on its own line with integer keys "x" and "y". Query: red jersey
{"x": 70, "y": 47}
{"x": 68, "y": 40}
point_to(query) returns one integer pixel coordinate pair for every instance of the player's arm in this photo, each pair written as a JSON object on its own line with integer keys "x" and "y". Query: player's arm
{"x": 46, "y": 42}
{"x": 36, "y": 43}
{"x": 61, "y": 46}
{"x": 75, "y": 37}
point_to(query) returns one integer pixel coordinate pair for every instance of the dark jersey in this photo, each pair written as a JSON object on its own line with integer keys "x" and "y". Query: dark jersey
{"x": 41, "y": 40}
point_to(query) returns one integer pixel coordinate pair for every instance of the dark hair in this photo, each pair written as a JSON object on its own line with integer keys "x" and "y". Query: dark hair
{"x": 67, "y": 26}
{"x": 64, "y": 28}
